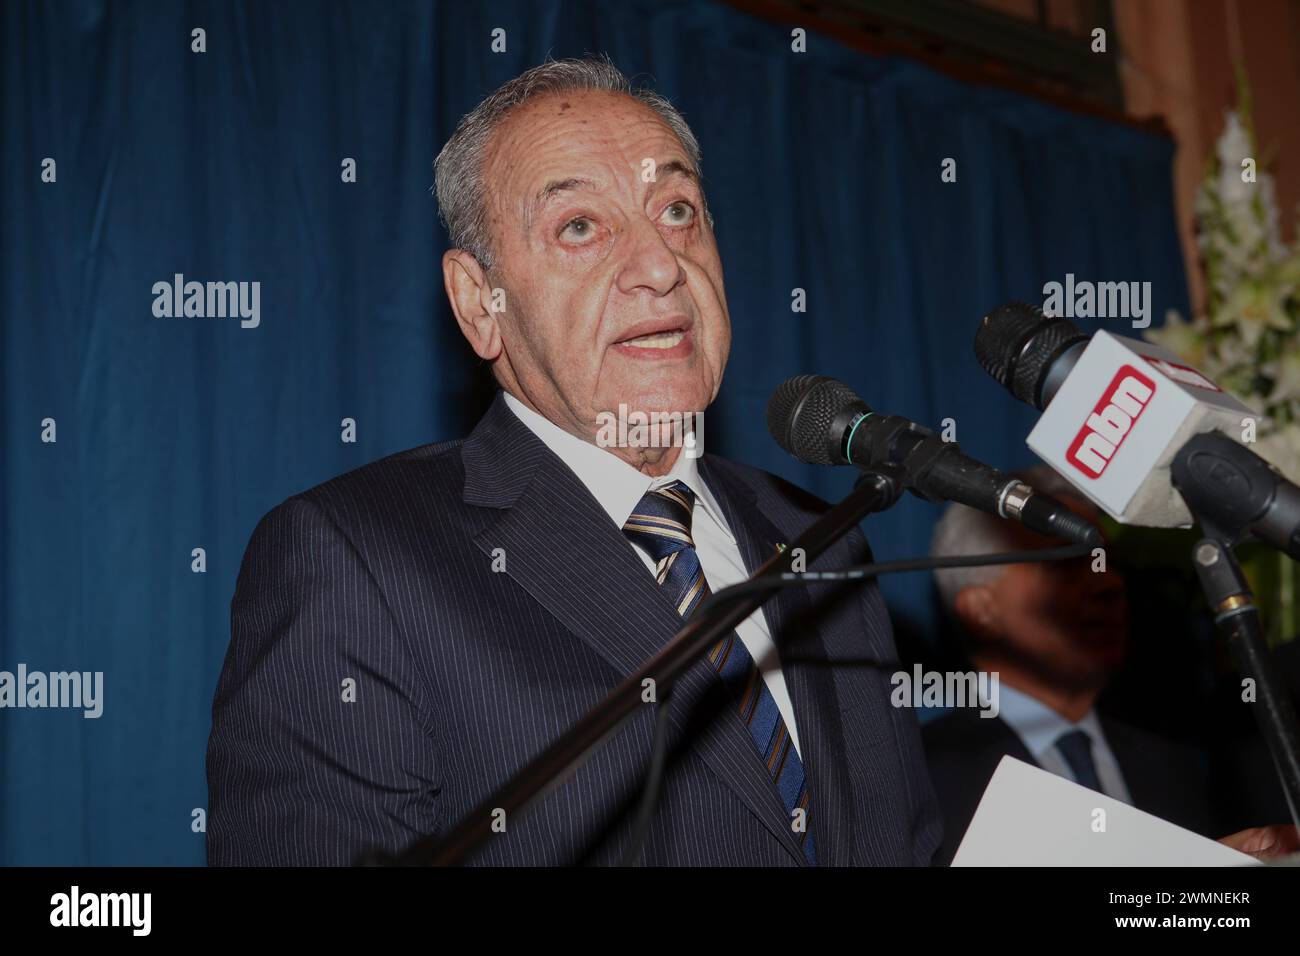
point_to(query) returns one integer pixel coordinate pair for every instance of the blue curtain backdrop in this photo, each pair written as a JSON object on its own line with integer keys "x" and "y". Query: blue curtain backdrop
{"x": 823, "y": 169}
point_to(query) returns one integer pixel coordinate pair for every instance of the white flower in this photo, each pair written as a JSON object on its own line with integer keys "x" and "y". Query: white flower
{"x": 1233, "y": 146}
{"x": 1252, "y": 307}
{"x": 1232, "y": 353}
{"x": 1186, "y": 339}
{"x": 1282, "y": 449}
{"x": 1285, "y": 373}
{"x": 1272, "y": 225}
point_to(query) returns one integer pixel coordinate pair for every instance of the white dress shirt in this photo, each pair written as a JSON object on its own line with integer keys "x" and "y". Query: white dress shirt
{"x": 1039, "y": 728}
{"x": 619, "y": 487}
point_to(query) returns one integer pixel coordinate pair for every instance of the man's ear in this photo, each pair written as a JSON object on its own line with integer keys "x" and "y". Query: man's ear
{"x": 470, "y": 295}
{"x": 977, "y": 609}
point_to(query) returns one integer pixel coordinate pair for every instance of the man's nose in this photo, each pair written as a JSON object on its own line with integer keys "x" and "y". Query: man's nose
{"x": 650, "y": 263}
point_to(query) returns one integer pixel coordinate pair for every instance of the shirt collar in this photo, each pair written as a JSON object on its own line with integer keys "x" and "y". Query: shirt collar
{"x": 616, "y": 485}
{"x": 1038, "y": 725}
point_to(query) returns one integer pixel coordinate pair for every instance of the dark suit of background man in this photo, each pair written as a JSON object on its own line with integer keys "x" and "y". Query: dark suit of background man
{"x": 1055, "y": 632}
{"x": 484, "y": 594}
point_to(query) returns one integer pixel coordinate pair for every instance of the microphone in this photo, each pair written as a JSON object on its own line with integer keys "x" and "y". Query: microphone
{"x": 1144, "y": 436}
{"x": 821, "y": 421}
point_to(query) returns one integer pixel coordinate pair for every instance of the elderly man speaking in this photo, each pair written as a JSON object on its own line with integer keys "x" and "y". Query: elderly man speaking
{"x": 405, "y": 637}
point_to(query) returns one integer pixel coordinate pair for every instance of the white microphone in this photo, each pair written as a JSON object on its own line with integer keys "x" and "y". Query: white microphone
{"x": 1116, "y": 414}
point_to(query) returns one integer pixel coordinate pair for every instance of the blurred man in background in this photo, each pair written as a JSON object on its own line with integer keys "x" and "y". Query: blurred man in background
{"x": 1055, "y": 632}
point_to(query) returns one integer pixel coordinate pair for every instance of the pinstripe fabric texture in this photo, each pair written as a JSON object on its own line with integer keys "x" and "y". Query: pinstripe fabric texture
{"x": 477, "y": 601}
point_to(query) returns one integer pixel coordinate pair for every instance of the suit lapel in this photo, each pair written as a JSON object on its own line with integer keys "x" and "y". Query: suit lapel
{"x": 806, "y": 665}
{"x": 1008, "y": 741}
{"x": 559, "y": 544}
{"x": 561, "y": 547}
{"x": 1144, "y": 790}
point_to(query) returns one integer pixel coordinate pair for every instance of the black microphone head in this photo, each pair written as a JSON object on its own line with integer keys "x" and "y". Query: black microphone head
{"x": 805, "y": 414}
{"x": 1017, "y": 345}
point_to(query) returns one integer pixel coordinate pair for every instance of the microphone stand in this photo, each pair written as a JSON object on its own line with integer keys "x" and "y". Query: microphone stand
{"x": 1237, "y": 619}
{"x": 1233, "y": 493}
{"x": 876, "y": 490}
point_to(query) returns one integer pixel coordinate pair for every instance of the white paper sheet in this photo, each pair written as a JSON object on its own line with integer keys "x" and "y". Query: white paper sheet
{"x": 1029, "y": 817}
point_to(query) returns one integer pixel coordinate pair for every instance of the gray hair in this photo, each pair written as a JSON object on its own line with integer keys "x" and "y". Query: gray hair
{"x": 964, "y": 531}
{"x": 458, "y": 170}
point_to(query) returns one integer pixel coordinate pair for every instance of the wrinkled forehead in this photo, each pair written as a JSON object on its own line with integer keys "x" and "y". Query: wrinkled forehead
{"x": 599, "y": 140}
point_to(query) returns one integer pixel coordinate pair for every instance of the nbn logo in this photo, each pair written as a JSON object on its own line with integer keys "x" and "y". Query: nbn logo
{"x": 1112, "y": 419}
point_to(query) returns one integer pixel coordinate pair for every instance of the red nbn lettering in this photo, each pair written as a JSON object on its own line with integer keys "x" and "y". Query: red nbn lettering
{"x": 1182, "y": 373}
{"x": 1111, "y": 420}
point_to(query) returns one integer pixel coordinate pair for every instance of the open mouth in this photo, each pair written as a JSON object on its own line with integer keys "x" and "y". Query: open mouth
{"x": 656, "y": 340}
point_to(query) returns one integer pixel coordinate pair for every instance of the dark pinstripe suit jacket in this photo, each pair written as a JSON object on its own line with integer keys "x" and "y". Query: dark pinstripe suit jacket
{"x": 384, "y": 576}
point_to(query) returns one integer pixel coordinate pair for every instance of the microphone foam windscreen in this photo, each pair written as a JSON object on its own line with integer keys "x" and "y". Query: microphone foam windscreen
{"x": 1016, "y": 344}
{"x": 801, "y": 412}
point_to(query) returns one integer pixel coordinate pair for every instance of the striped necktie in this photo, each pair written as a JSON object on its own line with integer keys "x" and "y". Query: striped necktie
{"x": 661, "y": 525}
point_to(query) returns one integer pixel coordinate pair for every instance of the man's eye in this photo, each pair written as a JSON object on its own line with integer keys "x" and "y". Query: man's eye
{"x": 578, "y": 230}
{"x": 679, "y": 214}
